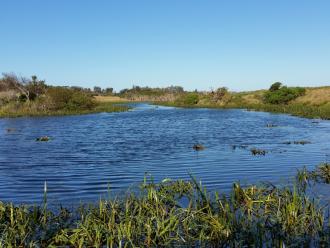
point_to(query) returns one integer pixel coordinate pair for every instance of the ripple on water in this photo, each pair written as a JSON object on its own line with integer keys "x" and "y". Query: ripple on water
{"x": 90, "y": 153}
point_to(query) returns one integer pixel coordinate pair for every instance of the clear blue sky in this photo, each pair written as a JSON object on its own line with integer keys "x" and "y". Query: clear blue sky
{"x": 194, "y": 43}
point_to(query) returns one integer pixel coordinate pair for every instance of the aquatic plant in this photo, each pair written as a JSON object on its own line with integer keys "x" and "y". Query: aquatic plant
{"x": 271, "y": 125}
{"x": 198, "y": 147}
{"x": 255, "y": 151}
{"x": 297, "y": 142}
{"x": 173, "y": 213}
{"x": 320, "y": 174}
{"x": 43, "y": 138}
{"x": 301, "y": 142}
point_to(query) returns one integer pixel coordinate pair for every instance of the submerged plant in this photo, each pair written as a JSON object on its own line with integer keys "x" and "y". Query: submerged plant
{"x": 43, "y": 138}
{"x": 271, "y": 125}
{"x": 320, "y": 174}
{"x": 297, "y": 142}
{"x": 255, "y": 151}
{"x": 198, "y": 147}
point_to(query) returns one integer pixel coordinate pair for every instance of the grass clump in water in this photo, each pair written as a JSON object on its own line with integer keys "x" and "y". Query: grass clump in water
{"x": 321, "y": 174}
{"x": 297, "y": 142}
{"x": 43, "y": 139}
{"x": 256, "y": 152}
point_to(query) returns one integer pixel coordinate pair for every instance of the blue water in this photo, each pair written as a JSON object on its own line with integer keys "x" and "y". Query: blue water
{"x": 90, "y": 154}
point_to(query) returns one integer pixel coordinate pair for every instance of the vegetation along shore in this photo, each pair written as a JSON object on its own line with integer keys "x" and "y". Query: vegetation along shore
{"x": 309, "y": 102}
{"x": 33, "y": 97}
{"x": 179, "y": 213}
{"x": 312, "y": 102}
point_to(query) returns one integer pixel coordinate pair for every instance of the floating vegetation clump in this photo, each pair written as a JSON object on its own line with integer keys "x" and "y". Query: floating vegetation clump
{"x": 297, "y": 142}
{"x": 255, "y": 152}
{"x": 198, "y": 147}
{"x": 271, "y": 125}
{"x": 321, "y": 174}
{"x": 174, "y": 213}
{"x": 301, "y": 142}
{"x": 43, "y": 138}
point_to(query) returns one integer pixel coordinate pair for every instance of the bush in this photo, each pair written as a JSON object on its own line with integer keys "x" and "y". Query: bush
{"x": 275, "y": 86}
{"x": 191, "y": 99}
{"x": 65, "y": 98}
{"x": 282, "y": 95}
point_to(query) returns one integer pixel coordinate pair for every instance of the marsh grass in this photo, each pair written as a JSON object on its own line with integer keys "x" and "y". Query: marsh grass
{"x": 320, "y": 174}
{"x": 174, "y": 213}
{"x": 15, "y": 109}
{"x": 255, "y": 152}
{"x": 297, "y": 142}
{"x": 296, "y": 109}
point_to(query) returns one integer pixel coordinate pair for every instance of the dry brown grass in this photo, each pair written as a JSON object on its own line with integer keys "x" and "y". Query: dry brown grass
{"x": 315, "y": 96}
{"x": 8, "y": 95}
{"x": 252, "y": 97}
{"x": 110, "y": 99}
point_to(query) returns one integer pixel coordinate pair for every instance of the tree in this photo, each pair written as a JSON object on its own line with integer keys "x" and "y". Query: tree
{"x": 97, "y": 90}
{"x": 11, "y": 81}
{"x": 275, "y": 86}
{"x": 109, "y": 91}
{"x": 174, "y": 89}
{"x": 219, "y": 94}
{"x": 283, "y": 95}
{"x": 36, "y": 87}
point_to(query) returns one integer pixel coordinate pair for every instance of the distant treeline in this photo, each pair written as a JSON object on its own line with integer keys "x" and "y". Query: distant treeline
{"x": 137, "y": 93}
{"x": 31, "y": 96}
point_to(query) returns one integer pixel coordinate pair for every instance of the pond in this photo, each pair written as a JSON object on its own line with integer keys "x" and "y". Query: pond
{"x": 91, "y": 156}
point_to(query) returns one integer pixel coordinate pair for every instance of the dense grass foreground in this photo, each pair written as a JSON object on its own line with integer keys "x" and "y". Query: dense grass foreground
{"x": 175, "y": 213}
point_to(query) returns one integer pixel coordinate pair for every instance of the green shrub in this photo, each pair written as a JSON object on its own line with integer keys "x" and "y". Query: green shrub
{"x": 65, "y": 98}
{"x": 275, "y": 86}
{"x": 191, "y": 98}
{"x": 282, "y": 95}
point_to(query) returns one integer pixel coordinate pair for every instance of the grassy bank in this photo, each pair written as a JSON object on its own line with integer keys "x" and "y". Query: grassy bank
{"x": 313, "y": 103}
{"x": 302, "y": 110}
{"x": 33, "y": 97}
{"x": 15, "y": 109}
{"x": 296, "y": 109}
{"x": 176, "y": 213}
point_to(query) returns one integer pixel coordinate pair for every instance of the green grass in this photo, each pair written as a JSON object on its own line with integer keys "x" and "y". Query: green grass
{"x": 174, "y": 213}
{"x": 320, "y": 174}
{"x": 302, "y": 110}
{"x": 296, "y": 109}
{"x": 15, "y": 109}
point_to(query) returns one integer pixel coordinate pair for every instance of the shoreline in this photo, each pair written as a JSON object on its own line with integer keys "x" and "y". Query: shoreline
{"x": 101, "y": 107}
{"x": 297, "y": 110}
{"x": 109, "y": 105}
{"x": 178, "y": 213}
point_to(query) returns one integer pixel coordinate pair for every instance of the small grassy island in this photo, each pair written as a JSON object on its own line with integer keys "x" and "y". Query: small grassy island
{"x": 33, "y": 97}
{"x": 179, "y": 214}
